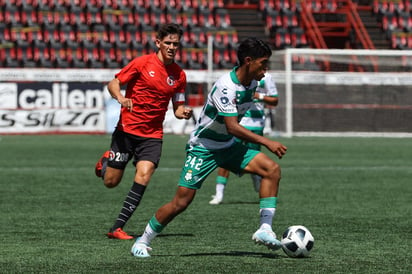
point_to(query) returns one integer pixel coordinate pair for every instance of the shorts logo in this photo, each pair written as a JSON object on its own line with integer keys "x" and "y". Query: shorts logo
{"x": 118, "y": 156}
{"x": 151, "y": 73}
{"x": 111, "y": 155}
{"x": 188, "y": 175}
{"x": 170, "y": 81}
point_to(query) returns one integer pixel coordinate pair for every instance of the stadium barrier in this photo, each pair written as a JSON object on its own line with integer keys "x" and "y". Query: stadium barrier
{"x": 321, "y": 92}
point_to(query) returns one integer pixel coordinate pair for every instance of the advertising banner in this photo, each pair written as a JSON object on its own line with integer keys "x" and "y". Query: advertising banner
{"x": 47, "y": 107}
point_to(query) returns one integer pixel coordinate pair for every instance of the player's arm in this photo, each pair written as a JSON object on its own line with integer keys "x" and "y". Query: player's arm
{"x": 235, "y": 129}
{"x": 114, "y": 88}
{"x": 269, "y": 100}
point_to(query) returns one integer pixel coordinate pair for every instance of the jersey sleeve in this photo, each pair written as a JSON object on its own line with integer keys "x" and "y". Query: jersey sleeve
{"x": 131, "y": 70}
{"x": 224, "y": 100}
{"x": 179, "y": 96}
{"x": 269, "y": 87}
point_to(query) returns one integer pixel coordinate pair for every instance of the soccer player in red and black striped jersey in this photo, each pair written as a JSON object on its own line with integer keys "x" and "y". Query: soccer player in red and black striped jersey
{"x": 152, "y": 81}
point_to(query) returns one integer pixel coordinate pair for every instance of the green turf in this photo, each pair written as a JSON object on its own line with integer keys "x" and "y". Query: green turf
{"x": 354, "y": 194}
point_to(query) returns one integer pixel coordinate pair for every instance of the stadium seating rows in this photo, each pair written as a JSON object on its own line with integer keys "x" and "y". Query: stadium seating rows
{"x": 109, "y": 33}
{"x": 282, "y": 20}
{"x": 395, "y": 18}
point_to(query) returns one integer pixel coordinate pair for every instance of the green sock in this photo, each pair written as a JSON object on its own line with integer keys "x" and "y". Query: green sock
{"x": 221, "y": 180}
{"x": 269, "y": 202}
{"x": 155, "y": 225}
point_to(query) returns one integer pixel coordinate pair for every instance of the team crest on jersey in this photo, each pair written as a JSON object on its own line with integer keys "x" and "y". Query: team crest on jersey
{"x": 224, "y": 100}
{"x": 170, "y": 80}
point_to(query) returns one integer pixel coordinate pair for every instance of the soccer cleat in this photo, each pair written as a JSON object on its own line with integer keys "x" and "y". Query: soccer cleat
{"x": 267, "y": 238}
{"x": 118, "y": 233}
{"x": 99, "y": 164}
{"x": 140, "y": 249}
{"x": 216, "y": 200}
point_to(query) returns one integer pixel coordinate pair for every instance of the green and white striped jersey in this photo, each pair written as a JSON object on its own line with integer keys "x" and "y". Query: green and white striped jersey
{"x": 228, "y": 97}
{"x": 254, "y": 118}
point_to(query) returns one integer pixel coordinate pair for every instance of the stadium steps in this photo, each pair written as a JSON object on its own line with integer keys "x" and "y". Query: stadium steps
{"x": 247, "y": 22}
{"x": 374, "y": 30}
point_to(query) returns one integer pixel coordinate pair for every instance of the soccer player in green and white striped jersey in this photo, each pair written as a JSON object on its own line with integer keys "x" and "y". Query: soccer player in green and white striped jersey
{"x": 253, "y": 120}
{"x": 213, "y": 144}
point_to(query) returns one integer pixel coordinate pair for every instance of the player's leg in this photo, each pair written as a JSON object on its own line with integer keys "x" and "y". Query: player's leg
{"x": 256, "y": 179}
{"x": 111, "y": 176}
{"x": 270, "y": 172}
{"x": 147, "y": 155}
{"x": 163, "y": 216}
{"x": 144, "y": 171}
{"x": 199, "y": 164}
{"x": 221, "y": 181}
{"x": 111, "y": 165}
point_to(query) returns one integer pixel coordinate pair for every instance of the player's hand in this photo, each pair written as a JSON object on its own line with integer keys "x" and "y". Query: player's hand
{"x": 126, "y": 103}
{"x": 277, "y": 148}
{"x": 183, "y": 112}
{"x": 187, "y": 113}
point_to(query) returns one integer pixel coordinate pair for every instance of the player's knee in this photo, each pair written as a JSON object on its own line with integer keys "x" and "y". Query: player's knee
{"x": 143, "y": 178}
{"x": 180, "y": 205}
{"x": 111, "y": 182}
{"x": 274, "y": 172}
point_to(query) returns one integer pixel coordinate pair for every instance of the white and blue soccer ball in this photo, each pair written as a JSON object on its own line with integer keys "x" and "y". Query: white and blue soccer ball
{"x": 297, "y": 241}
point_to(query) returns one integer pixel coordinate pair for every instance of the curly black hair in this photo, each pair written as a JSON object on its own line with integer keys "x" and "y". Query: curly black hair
{"x": 254, "y": 48}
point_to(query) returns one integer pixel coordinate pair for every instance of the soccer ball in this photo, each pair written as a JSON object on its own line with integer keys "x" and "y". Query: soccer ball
{"x": 297, "y": 241}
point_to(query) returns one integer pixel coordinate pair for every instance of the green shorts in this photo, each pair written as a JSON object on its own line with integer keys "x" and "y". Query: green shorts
{"x": 201, "y": 162}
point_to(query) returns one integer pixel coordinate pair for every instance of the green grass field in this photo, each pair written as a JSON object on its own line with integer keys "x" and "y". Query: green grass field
{"x": 354, "y": 194}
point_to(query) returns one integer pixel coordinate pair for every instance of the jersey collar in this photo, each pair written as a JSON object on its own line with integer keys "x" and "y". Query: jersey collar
{"x": 233, "y": 76}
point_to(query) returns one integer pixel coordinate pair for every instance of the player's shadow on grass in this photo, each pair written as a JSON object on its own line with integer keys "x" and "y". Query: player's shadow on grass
{"x": 169, "y": 235}
{"x": 236, "y": 254}
{"x": 240, "y": 203}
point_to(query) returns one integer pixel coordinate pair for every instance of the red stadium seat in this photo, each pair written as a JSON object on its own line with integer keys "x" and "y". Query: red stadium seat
{"x": 187, "y": 41}
{"x": 399, "y": 41}
{"x": 289, "y": 20}
{"x": 196, "y": 60}
{"x": 198, "y": 37}
{"x": 274, "y": 21}
{"x": 41, "y": 54}
{"x": 220, "y": 41}
{"x": 189, "y": 20}
{"x": 405, "y": 21}
{"x": 206, "y": 18}
{"x": 282, "y": 38}
{"x": 266, "y": 5}
{"x": 222, "y": 19}
{"x": 10, "y": 56}
{"x": 298, "y": 38}
{"x": 11, "y": 15}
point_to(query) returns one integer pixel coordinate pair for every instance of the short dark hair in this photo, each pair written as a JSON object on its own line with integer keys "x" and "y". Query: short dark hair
{"x": 167, "y": 29}
{"x": 254, "y": 48}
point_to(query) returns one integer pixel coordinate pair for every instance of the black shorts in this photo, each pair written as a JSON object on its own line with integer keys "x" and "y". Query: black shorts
{"x": 126, "y": 146}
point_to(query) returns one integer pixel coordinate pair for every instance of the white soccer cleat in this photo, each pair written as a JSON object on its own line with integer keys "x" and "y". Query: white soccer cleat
{"x": 267, "y": 238}
{"x": 216, "y": 200}
{"x": 140, "y": 250}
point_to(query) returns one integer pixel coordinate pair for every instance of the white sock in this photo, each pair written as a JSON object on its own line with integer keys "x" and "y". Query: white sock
{"x": 220, "y": 188}
{"x": 148, "y": 235}
{"x": 266, "y": 217}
